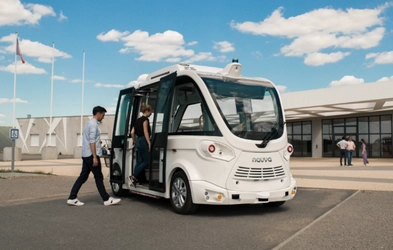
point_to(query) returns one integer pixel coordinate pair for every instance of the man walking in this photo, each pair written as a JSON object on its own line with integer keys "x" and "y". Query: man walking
{"x": 91, "y": 152}
{"x": 342, "y": 145}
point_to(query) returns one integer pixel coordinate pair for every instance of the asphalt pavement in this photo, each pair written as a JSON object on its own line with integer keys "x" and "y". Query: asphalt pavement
{"x": 335, "y": 208}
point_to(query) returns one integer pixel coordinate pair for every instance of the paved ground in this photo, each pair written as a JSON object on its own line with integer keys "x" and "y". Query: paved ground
{"x": 335, "y": 208}
{"x": 308, "y": 172}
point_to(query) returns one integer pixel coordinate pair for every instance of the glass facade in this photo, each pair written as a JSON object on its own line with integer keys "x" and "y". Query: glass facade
{"x": 299, "y": 135}
{"x": 375, "y": 130}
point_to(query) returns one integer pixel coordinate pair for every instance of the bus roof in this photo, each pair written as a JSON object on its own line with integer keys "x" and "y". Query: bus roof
{"x": 232, "y": 70}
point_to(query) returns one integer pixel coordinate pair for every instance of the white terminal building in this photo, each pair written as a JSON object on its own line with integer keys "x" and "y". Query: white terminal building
{"x": 315, "y": 119}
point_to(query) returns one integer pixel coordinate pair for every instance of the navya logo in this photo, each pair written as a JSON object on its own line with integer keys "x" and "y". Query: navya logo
{"x": 262, "y": 159}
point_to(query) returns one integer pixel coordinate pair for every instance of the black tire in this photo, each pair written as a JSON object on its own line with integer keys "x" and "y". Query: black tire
{"x": 118, "y": 191}
{"x": 274, "y": 204}
{"x": 117, "y": 188}
{"x": 181, "y": 198}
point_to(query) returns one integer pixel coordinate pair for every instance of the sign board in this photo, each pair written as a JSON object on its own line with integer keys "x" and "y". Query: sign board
{"x": 14, "y": 133}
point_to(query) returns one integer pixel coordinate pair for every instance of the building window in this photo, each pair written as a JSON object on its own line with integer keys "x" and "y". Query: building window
{"x": 299, "y": 135}
{"x": 34, "y": 140}
{"x": 375, "y": 130}
{"x": 51, "y": 140}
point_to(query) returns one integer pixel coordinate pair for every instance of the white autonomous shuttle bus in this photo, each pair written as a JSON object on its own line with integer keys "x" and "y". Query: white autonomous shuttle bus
{"x": 218, "y": 138}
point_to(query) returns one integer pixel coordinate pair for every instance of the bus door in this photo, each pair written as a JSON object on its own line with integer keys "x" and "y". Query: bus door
{"x": 160, "y": 133}
{"x": 121, "y": 150}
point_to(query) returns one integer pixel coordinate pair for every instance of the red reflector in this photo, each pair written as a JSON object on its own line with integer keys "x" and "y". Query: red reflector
{"x": 212, "y": 148}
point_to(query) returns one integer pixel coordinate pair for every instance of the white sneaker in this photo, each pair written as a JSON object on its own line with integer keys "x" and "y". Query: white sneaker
{"x": 75, "y": 202}
{"x": 111, "y": 201}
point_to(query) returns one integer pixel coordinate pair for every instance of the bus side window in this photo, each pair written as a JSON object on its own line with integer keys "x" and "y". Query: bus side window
{"x": 189, "y": 114}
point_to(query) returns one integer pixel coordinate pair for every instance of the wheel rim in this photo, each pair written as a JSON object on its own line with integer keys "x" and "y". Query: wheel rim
{"x": 179, "y": 192}
{"x": 115, "y": 187}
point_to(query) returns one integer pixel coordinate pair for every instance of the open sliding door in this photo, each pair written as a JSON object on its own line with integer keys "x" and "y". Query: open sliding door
{"x": 160, "y": 133}
{"x": 120, "y": 149}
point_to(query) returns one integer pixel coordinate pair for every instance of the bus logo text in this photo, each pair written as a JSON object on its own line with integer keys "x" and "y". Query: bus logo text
{"x": 264, "y": 159}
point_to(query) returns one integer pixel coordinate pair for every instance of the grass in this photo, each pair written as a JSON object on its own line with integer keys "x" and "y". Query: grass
{"x": 2, "y": 170}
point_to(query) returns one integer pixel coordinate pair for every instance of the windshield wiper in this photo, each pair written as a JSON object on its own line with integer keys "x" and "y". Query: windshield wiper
{"x": 276, "y": 127}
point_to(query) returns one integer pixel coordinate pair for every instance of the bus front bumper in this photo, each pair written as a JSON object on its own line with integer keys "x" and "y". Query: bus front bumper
{"x": 207, "y": 193}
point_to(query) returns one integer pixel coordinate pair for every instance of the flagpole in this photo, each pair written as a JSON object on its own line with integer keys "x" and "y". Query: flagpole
{"x": 51, "y": 94}
{"x": 13, "y": 116}
{"x": 83, "y": 91}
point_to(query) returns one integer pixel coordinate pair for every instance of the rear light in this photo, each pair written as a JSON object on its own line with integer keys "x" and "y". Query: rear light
{"x": 290, "y": 149}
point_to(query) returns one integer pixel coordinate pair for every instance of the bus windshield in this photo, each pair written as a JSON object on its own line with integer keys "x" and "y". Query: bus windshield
{"x": 250, "y": 108}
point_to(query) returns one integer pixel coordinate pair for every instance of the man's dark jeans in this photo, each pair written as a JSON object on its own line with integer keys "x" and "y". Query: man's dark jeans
{"x": 87, "y": 167}
{"x": 343, "y": 154}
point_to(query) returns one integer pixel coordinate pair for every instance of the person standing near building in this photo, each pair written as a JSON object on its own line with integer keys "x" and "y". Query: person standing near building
{"x": 91, "y": 152}
{"x": 350, "y": 149}
{"x": 342, "y": 145}
{"x": 364, "y": 152}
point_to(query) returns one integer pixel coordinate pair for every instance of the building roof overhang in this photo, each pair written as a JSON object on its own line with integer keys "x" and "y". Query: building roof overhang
{"x": 338, "y": 101}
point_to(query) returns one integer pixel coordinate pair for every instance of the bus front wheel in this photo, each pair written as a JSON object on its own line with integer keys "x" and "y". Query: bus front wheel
{"x": 181, "y": 199}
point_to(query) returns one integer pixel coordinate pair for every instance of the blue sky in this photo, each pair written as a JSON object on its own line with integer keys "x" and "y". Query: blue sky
{"x": 299, "y": 45}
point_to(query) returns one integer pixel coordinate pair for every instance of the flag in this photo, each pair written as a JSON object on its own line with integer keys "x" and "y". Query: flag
{"x": 18, "y": 52}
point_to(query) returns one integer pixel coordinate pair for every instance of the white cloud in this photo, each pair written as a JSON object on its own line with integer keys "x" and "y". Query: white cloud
{"x": 202, "y": 56}
{"x": 157, "y": 47}
{"x": 17, "y": 100}
{"x": 100, "y": 85}
{"x": 385, "y": 78}
{"x": 79, "y": 81}
{"x": 59, "y": 78}
{"x": 347, "y": 80}
{"x": 168, "y": 46}
{"x": 23, "y": 68}
{"x": 381, "y": 58}
{"x": 62, "y": 17}
{"x": 192, "y": 43}
{"x": 311, "y": 32}
{"x": 112, "y": 36}
{"x": 13, "y": 12}
{"x": 224, "y": 46}
{"x": 136, "y": 82}
{"x": 317, "y": 59}
{"x": 42, "y": 52}
{"x": 173, "y": 59}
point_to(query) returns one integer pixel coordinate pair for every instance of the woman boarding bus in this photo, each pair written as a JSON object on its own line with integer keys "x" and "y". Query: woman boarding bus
{"x": 217, "y": 138}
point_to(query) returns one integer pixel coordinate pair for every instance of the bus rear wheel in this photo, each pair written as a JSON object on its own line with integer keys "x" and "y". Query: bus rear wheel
{"x": 181, "y": 199}
{"x": 118, "y": 190}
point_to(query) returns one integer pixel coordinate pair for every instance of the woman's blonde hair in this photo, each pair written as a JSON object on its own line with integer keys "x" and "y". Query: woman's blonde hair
{"x": 146, "y": 107}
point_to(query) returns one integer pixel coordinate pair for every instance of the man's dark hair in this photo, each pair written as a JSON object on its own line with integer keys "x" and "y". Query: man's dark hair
{"x": 98, "y": 109}
{"x": 341, "y": 137}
